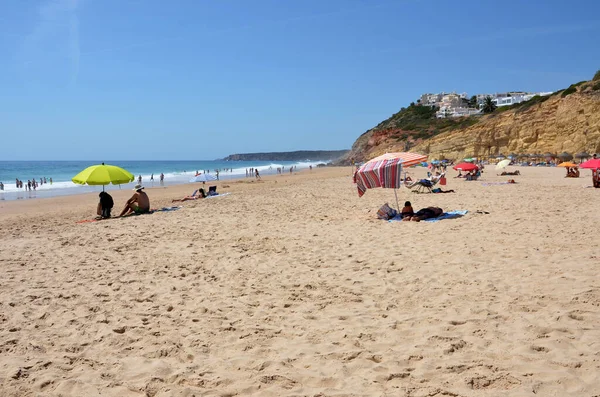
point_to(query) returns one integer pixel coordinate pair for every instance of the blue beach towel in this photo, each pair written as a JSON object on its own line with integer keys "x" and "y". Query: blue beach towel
{"x": 448, "y": 215}
{"x": 445, "y": 215}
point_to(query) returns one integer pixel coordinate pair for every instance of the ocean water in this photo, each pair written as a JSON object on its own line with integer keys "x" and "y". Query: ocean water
{"x": 176, "y": 172}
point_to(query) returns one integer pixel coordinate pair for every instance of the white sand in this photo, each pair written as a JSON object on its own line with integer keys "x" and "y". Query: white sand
{"x": 291, "y": 287}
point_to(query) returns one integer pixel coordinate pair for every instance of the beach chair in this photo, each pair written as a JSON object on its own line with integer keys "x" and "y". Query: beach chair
{"x": 424, "y": 185}
{"x": 212, "y": 191}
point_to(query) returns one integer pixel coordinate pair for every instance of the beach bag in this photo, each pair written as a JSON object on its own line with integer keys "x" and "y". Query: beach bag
{"x": 443, "y": 181}
{"x": 386, "y": 212}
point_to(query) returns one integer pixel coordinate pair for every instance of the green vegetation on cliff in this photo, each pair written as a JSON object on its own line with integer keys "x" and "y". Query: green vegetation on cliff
{"x": 419, "y": 122}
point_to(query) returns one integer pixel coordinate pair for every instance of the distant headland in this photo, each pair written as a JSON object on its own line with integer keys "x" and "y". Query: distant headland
{"x": 300, "y": 155}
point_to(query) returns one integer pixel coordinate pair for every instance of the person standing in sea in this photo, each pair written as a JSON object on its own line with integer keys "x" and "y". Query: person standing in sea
{"x": 140, "y": 179}
{"x": 162, "y": 178}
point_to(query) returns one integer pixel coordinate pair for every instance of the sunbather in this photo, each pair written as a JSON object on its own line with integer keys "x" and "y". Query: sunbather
{"x": 138, "y": 203}
{"x": 196, "y": 195}
{"x": 510, "y": 173}
{"x": 572, "y": 173}
{"x": 425, "y": 213}
{"x": 407, "y": 211}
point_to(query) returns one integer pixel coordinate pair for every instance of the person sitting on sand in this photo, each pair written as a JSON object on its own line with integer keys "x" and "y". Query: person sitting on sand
{"x": 407, "y": 211}
{"x": 425, "y": 213}
{"x": 138, "y": 203}
{"x": 572, "y": 172}
{"x": 105, "y": 205}
{"x": 198, "y": 194}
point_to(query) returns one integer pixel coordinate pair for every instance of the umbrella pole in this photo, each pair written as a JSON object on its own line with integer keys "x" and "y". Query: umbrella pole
{"x": 396, "y": 194}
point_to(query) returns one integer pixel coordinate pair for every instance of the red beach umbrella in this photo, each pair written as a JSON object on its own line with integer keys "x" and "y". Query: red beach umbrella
{"x": 465, "y": 167}
{"x": 592, "y": 164}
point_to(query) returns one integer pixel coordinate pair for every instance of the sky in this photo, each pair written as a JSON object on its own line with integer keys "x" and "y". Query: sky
{"x": 199, "y": 79}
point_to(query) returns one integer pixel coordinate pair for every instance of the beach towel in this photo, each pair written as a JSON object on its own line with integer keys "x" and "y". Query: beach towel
{"x": 448, "y": 215}
{"x": 218, "y": 195}
{"x": 497, "y": 183}
{"x": 445, "y": 215}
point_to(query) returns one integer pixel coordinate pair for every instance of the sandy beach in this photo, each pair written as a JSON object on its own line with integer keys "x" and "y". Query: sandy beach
{"x": 291, "y": 287}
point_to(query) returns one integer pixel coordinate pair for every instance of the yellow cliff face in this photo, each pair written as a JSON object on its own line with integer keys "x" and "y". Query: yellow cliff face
{"x": 570, "y": 124}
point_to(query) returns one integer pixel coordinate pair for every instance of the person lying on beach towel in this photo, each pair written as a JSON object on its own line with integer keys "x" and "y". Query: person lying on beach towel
{"x": 196, "y": 195}
{"x": 139, "y": 203}
{"x": 517, "y": 172}
{"x": 425, "y": 213}
{"x": 439, "y": 190}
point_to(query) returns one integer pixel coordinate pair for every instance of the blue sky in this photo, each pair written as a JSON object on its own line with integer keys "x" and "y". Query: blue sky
{"x": 197, "y": 79}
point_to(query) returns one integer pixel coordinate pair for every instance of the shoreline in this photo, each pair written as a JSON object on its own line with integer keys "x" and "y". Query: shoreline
{"x": 66, "y": 188}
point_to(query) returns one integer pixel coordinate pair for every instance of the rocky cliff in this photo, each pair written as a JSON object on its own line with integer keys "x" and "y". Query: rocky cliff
{"x": 568, "y": 120}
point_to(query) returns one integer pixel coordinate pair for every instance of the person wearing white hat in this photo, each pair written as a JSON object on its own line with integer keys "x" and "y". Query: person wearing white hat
{"x": 139, "y": 203}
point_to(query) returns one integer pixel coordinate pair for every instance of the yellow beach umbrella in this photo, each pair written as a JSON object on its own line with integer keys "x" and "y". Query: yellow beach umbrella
{"x": 103, "y": 174}
{"x": 568, "y": 164}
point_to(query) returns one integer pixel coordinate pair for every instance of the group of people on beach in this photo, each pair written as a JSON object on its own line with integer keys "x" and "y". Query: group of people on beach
{"x": 572, "y": 172}
{"x": 253, "y": 172}
{"x": 162, "y": 178}
{"x": 138, "y": 204}
{"x": 408, "y": 214}
{"x": 31, "y": 184}
{"x": 280, "y": 170}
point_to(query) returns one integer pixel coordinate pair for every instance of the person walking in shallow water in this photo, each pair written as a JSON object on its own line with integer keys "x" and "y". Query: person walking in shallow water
{"x": 256, "y": 174}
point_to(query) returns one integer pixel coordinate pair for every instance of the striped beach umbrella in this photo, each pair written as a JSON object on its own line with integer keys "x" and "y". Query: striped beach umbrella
{"x": 385, "y": 171}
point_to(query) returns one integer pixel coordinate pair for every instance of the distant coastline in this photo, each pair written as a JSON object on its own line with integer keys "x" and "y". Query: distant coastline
{"x": 299, "y": 155}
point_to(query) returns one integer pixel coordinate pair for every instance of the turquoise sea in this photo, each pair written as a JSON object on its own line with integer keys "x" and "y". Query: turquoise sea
{"x": 176, "y": 172}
